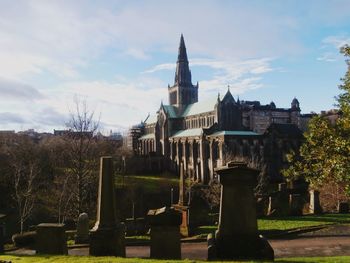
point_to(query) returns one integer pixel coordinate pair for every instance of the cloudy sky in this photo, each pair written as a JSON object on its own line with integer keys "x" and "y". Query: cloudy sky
{"x": 120, "y": 56}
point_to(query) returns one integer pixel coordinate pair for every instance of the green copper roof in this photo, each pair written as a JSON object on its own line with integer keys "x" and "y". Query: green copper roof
{"x": 200, "y": 107}
{"x": 170, "y": 110}
{"x": 147, "y": 136}
{"x": 188, "y": 133}
{"x": 234, "y": 133}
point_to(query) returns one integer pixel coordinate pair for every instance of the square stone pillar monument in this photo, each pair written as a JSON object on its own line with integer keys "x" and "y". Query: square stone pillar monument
{"x": 237, "y": 235}
{"x": 165, "y": 234}
{"x": 107, "y": 238}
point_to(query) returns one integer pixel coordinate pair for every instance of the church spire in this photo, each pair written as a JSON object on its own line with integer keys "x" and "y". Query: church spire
{"x": 183, "y": 73}
{"x": 182, "y": 56}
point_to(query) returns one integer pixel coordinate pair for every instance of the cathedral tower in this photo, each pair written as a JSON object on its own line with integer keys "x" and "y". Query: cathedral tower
{"x": 183, "y": 92}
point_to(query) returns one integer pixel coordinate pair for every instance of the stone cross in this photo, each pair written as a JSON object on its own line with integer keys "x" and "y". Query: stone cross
{"x": 82, "y": 236}
{"x": 237, "y": 235}
{"x": 182, "y": 185}
{"x": 107, "y": 238}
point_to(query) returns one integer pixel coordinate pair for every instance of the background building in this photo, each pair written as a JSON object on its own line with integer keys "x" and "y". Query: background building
{"x": 207, "y": 134}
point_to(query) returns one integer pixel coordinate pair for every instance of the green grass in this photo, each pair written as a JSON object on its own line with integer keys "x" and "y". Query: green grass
{"x": 83, "y": 259}
{"x": 288, "y": 223}
{"x": 149, "y": 183}
{"x": 295, "y": 222}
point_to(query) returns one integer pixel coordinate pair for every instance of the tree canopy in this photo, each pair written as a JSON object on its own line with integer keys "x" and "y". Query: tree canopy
{"x": 324, "y": 156}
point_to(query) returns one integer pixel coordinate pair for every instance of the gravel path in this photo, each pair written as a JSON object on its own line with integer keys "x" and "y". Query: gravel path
{"x": 331, "y": 241}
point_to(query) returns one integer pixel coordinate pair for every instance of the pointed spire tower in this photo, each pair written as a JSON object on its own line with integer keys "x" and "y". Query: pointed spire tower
{"x": 183, "y": 73}
{"x": 183, "y": 92}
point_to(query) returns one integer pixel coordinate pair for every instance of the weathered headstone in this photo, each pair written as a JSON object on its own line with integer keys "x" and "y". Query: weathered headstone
{"x": 237, "y": 235}
{"x": 107, "y": 238}
{"x": 165, "y": 233}
{"x": 279, "y": 202}
{"x": 51, "y": 239}
{"x": 82, "y": 236}
{"x": 343, "y": 208}
{"x": 315, "y": 206}
{"x": 296, "y": 204}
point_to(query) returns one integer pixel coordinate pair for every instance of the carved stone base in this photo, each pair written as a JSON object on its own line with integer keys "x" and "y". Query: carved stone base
{"x": 239, "y": 248}
{"x": 107, "y": 242}
{"x": 184, "y": 227}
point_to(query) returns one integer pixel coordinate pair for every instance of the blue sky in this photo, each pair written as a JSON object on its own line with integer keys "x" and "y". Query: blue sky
{"x": 120, "y": 56}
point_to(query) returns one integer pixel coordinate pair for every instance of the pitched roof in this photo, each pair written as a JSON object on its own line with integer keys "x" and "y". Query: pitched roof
{"x": 200, "y": 107}
{"x": 188, "y": 133}
{"x": 234, "y": 133}
{"x": 170, "y": 110}
{"x": 147, "y": 136}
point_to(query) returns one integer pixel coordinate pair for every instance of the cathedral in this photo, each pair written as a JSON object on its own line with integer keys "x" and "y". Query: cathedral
{"x": 207, "y": 134}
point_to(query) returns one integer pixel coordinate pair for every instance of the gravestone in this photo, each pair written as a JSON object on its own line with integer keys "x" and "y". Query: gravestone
{"x": 51, "y": 239}
{"x": 237, "y": 235}
{"x": 343, "y": 208}
{"x": 165, "y": 233}
{"x": 315, "y": 206}
{"x": 107, "y": 238}
{"x": 279, "y": 202}
{"x": 296, "y": 204}
{"x": 82, "y": 236}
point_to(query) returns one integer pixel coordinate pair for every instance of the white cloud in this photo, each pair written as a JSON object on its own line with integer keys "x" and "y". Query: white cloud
{"x": 332, "y": 45}
{"x": 336, "y": 41}
{"x": 137, "y": 53}
{"x": 328, "y": 57}
{"x": 11, "y": 118}
{"x": 14, "y": 90}
{"x": 61, "y": 36}
{"x": 165, "y": 66}
{"x": 240, "y": 75}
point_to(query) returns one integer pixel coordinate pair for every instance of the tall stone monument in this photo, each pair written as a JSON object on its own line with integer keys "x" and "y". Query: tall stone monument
{"x": 107, "y": 238}
{"x": 237, "y": 235}
{"x": 182, "y": 205}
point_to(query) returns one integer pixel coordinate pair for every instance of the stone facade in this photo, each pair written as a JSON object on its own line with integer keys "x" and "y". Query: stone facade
{"x": 206, "y": 134}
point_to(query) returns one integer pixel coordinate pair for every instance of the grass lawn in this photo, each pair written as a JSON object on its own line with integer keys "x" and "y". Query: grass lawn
{"x": 81, "y": 259}
{"x": 295, "y": 222}
{"x": 149, "y": 183}
{"x": 288, "y": 223}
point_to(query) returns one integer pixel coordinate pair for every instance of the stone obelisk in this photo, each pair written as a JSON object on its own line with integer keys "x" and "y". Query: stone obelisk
{"x": 107, "y": 238}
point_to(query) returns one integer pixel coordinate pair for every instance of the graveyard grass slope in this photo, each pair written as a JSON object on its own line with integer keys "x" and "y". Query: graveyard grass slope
{"x": 83, "y": 259}
{"x": 270, "y": 224}
{"x": 150, "y": 183}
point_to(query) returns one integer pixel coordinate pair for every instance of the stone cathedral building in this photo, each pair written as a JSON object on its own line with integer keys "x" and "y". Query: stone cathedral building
{"x": 206, "y": 134}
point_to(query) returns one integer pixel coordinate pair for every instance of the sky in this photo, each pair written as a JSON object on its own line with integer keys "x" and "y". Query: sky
{"x": 119, "y": 56}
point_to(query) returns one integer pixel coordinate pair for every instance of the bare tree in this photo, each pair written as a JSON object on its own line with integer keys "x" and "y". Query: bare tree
{"x": 24, "y": 162}
{"x": 82, "y": 153}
